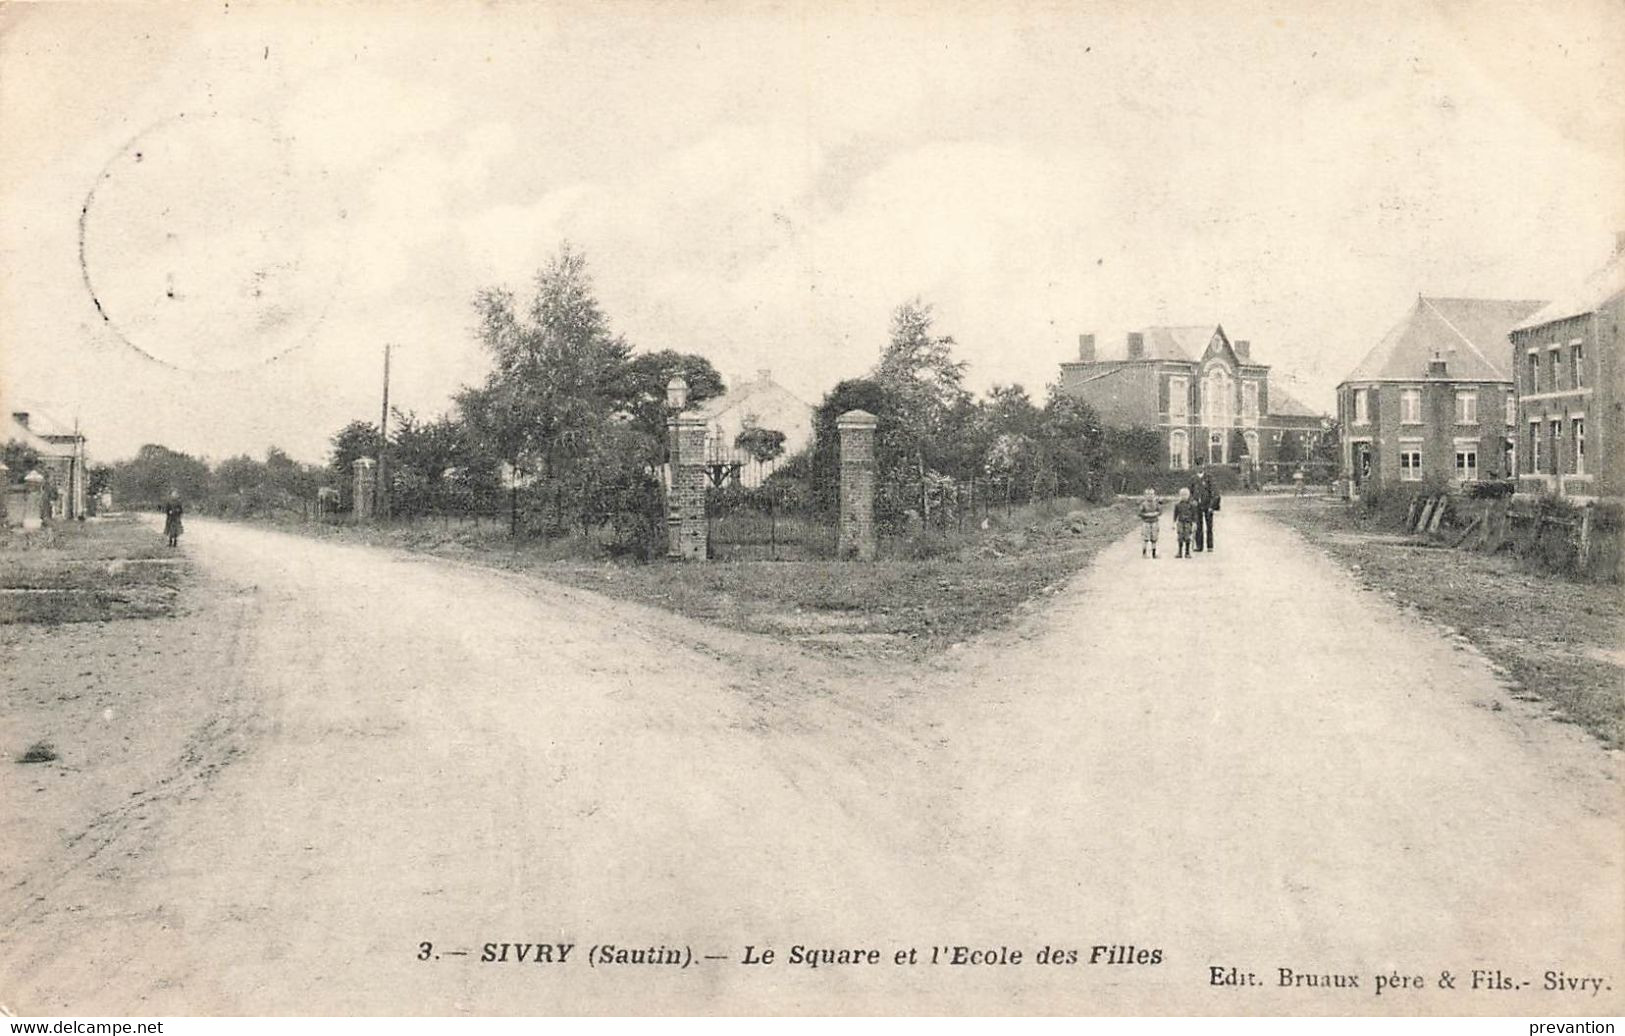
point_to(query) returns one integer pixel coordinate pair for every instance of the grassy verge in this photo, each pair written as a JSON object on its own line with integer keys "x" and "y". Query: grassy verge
{"x": 1559, "y": 639}
{"x": 107, "y": 568}
{"x": 928, "y": 591}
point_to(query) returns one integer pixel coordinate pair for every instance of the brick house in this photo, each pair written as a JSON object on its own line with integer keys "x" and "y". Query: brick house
{"x": 1205, "y": 395}
{"x": 1432, "y": 400}
{"x": 1566, "y": 362}
{"x": 61, "y": 459}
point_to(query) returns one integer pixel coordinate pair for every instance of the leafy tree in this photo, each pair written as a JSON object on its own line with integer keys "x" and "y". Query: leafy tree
{"x": 352, "y": 442}
{"x": 1290, "y": 451}
{"x": 558, "y": 378}
{"x": 764, "y": 444}
{"x": 19, "y": 459}
{"x": 1074, "y": 441}
{"x": 237, "y": 476}
{"x": 649, "y": 373}
{"x": 424, "y": 459}
{"x": 1135, "y": 446}
{"x": 98, "y": 479}
{"x": 148, "y": 478}
{"x": 918, "y": 372}
{"x": 1328, "y": 445}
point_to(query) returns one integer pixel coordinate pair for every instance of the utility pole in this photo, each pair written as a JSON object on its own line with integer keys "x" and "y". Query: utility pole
{"x": 381, "y": 492}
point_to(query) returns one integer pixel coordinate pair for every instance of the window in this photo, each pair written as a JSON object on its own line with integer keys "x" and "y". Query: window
{"x": 1410, "y": 462}
{"x": 1466, "y": 460}
{"x": 1410, "y": 406}
{"x": 1467, "y": 407}
{"x": 1179, "y": 449}
{"x": 1579, "y": 364}
{"x": 1579, "y": 445}
{"x": 1557, "y": 368}
{"x": 1216, "y": 449}
{"x": 1251, "y": 439}
{"x": 1217, "y": 398}
{"x": 1534, "y": 372}
{"x": 1249, "y": 399}
{"x": 1179, "y": 398}
{"x": 1512, "y": 410}
{"x": 1534, "y": 447}
{"x": 1362, "y": 406}
{"x": 1557, "y": 446}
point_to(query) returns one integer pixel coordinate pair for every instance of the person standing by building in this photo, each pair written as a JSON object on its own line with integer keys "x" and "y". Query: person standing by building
{"x": 1206, "y": 496}
{"x": 172, "y": 517}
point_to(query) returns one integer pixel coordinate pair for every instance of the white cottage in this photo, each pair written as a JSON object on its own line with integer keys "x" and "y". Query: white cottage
{"x": 762, "y": 403}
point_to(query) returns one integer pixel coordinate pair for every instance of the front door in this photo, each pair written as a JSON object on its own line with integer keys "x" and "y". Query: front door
{"x": 1362, "y": 462}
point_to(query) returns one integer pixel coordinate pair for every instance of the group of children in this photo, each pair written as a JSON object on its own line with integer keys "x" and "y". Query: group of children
{"x": 1185, "y": 519}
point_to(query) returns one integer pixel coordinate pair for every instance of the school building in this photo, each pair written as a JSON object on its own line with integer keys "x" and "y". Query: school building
{"x": 1206, "y": 395}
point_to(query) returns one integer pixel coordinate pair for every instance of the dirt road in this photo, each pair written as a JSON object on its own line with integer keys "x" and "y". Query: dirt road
{"x": 1241, "y": 760}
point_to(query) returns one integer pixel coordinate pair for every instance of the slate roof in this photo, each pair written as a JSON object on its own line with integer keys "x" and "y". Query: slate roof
{"x": 763, "y": 388}
{"x": 1470, "y": 334}
{"x": 1285, "y": 404}
{"x": 1187, "y": 342}
{"x": 1590, "y": 295}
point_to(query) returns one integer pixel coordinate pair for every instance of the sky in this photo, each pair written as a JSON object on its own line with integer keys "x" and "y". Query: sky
{"x": 214, "y": 217}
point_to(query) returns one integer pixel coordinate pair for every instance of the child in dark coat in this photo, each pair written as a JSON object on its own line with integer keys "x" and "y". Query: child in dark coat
{"x": 1185, "y": 517}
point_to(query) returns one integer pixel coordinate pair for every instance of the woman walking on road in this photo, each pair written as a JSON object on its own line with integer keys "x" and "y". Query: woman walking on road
{"x": 172, "y": 517}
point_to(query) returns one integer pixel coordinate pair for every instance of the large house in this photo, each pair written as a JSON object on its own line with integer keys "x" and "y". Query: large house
{"x": 1566, "y": 361}
{"x": 61, "y": 453}
{"x": 762, "y": 403}
{"x": 1205, "y": 395}
{"x": 1432, "y": 400}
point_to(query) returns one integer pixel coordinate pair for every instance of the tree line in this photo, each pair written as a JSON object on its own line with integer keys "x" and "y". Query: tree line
{"x": 567, "y": 431}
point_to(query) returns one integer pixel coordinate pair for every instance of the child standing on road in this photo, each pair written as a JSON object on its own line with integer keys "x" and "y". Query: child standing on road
{"x": 1150, "y": 517}
{"x": 1184, "y": 522}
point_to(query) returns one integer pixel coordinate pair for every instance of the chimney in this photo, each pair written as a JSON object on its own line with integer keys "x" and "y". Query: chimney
{"x": 764, "y": 374}
{"x": 1244, "y": 350}
{"x": 1437, "y": 367}
{"x": 21, "y": 417}
{"x": 1086, "y": 348}
{"x": 1136, "y": 345}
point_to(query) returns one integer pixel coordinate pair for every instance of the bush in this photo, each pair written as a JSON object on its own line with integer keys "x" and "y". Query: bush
{"x": 1495, "y": 489}
{"x": 1167, "y": 482}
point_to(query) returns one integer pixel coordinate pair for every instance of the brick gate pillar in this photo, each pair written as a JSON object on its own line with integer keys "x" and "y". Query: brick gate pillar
{"x": 687, "y": 533}
{"x": 366, "y": 477}
{"x": 857, "y": 536}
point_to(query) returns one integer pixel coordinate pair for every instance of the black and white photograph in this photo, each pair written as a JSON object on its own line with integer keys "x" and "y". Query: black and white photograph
{"x": 783, "y": 508}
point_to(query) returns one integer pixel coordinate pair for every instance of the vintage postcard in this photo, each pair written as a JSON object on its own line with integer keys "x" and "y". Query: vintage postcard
{"x": 791, "y": 508}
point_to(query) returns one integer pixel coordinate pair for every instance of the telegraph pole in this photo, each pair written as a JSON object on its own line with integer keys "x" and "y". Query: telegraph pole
{"x": 381, "y": 492}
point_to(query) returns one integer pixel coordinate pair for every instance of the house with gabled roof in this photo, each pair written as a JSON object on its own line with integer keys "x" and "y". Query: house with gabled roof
{"x": 760, "y": 403}
{"x": 1432, "y": 400}
{"x": 61, "y": 451}
{"x": 1205, "y": 394}
{"x": 1566, "y": 361}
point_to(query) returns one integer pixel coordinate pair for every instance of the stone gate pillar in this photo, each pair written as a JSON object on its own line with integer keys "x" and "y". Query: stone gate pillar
{"x": 687, "y": 533}
{"x": 33, "y": 499}
{"x": 857, "y": 537}
{"x": 366, "y": 478}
